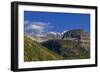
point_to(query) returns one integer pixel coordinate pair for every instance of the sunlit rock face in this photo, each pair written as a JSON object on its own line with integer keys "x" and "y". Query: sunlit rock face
{"x": 79, "y": 35}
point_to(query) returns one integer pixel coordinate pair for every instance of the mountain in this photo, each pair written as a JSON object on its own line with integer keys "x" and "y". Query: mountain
{"x": 53, "y": 35}
{"x": 79, "y": 35}
{"x": 34, "y": 51}
{"x": 44, "y": 37}
{"x": 75, "y": 33}
{"x": 67, "y": 48}
{"x": 74, "y": 44}
{"x": 37, "y": 38}
{"x": 70, "y": 44}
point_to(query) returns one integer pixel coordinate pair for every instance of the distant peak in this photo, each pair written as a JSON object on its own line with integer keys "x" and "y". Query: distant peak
{"x": 64, "y": 32}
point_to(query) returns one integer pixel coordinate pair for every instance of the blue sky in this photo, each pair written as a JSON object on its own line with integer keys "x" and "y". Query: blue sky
{"x": 56, "y": 22}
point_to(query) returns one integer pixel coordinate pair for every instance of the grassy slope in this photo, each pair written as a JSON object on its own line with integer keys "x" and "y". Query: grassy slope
{"x": 33, "y": 51}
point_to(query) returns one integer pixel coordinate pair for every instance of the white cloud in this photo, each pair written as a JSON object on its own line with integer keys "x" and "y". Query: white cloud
{"x": 26, "y": 22}
{"x": 37, "y": 27}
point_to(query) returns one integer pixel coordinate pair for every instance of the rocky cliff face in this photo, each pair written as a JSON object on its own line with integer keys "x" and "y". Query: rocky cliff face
{"x": 79, "y": 35}
{"x": 76, "y": 33}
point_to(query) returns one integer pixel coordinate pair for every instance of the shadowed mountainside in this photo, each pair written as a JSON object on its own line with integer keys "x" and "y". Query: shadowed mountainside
{"x": 67, "y": 48}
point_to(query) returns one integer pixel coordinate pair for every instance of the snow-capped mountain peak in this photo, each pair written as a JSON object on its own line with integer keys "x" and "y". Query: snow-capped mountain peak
{"x": 64, "y": 32}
